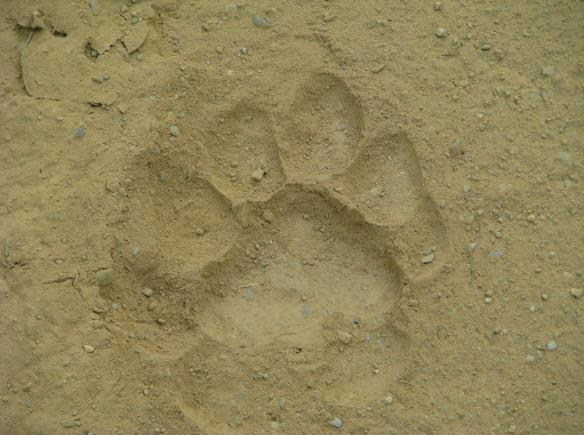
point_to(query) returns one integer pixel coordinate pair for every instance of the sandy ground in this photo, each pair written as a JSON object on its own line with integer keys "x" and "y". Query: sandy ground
{"x": 291, "y": 217}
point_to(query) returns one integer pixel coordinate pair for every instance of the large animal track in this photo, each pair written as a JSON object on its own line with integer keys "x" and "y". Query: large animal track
{"x": 281, "y": 278}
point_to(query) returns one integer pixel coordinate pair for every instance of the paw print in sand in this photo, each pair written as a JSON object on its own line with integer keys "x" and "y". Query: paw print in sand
{"x": 271, "y": 252}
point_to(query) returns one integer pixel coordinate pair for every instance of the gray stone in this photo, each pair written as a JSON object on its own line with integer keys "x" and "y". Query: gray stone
{"x": 79, "y": 132}
{"x": 174, "y": 130}
{"x": 260, "y": 21}
{"x": 552, "y": 345}
{"x": 105, "y": 277}
{"x": 530, "y": 359}
{"x": 456, "y": 148}
{"x": 147, "y": 292}
{"x": 576, "y": 292}
{"x": 336, "y": 423}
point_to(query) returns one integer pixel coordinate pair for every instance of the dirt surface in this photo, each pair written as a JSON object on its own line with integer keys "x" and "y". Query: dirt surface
{"x": 291, "y": 217}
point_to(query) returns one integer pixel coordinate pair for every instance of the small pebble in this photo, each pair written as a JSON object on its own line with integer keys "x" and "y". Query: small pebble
{"x": 530, "y": 359}
{"x": 268, "y": 216}
{"x": 79, "y": 132}
{"x": 105, "y": 277}
{"x": 552, "y": 345}
{"x": 89, "y": 349}
{"x": 428, "y": 259}
{"x": 174, "y": 130}
{"x": 388, "y": 400}
{"x": 456, "y": 148}
{"x": 244, "y": 50}
{"x": 199, "y": 231}
{"x": 260, "y": 21}
{"x": 440, "y": 32}
{"x": 377, "y": 69}
{"x": 147, "y": 292}
{"x": 336, "y": 423}
{"x": 545, "y": 296}
{"x": 486, "y": 47}
{"x": 257, "y": 175}
{"x": 576, "y": 292}
{"x": 548, "y": 71}
{"x": 437, "y": 6}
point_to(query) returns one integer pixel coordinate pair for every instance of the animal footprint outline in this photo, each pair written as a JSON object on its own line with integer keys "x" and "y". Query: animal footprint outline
{"x": 287, "y": 249}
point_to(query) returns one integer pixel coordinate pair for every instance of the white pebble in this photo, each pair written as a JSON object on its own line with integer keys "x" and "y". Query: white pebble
{"x": 440, "y": 32}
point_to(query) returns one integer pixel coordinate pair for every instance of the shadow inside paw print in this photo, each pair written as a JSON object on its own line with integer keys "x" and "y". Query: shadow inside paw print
{"x": 276, "y": 248}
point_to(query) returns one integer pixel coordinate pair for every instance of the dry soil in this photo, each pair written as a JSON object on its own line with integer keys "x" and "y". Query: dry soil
{"x": 291, "y": 217}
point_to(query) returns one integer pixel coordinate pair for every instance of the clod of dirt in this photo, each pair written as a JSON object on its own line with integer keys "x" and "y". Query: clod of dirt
{"x": 33, "y": 22}
{"x": 268, "y": 216}
{"x": 257, "y": 175}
